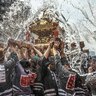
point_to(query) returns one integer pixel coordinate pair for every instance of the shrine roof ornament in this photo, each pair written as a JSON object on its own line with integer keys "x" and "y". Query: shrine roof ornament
{"x": 43, "y": 25}
{"x": 46, "y": 23}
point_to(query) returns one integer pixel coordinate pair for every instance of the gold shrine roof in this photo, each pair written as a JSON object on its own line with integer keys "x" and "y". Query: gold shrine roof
{"x": 43, "y": 25}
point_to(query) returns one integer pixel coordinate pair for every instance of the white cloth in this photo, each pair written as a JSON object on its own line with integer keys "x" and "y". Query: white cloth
{"x": 2, "y": 74}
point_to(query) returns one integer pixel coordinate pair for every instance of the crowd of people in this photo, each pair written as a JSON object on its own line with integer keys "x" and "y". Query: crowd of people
{"x": 31, "y": 72}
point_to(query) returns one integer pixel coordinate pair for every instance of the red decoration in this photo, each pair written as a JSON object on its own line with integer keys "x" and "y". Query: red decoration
{"x": 71, "y": 82}
{"x": 33, "y": 76}
{"x": 27, "y": 80}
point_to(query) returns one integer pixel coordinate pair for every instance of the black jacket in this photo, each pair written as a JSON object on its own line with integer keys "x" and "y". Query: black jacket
{"x": 6, "y": 70}
{"x": 22, "y": 81}
{"x": 50, "y": 81}
{"x": 69, "y": 80}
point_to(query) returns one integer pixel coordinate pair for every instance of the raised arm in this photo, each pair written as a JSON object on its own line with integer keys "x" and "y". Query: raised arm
{"x": 37, "y": 51}
{"x": 47, "y": 52}
{"x": 13, "y": 58}
{"x": 59, "y": 67}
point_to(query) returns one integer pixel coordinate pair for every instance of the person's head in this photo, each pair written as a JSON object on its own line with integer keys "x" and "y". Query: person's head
{"x": 93, "y": 63}
{"x": 57, "y": 42}
{"x": 1, "y": 54}
{"x": 25, "y": 64}
{"x": 65, "y": 63}
{"x": 67, "y": 66}
{"x": 35, "y": 62}
{"x": 52, "y": 63}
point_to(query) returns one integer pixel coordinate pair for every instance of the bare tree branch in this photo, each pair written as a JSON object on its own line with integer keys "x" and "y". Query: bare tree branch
{"x": 90, "y": 7}
{"x": 85, "y": 14}
{"x": 87, "y": 28}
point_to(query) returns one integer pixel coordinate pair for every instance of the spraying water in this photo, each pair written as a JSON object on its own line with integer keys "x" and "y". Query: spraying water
{"x": 22, "y": 13}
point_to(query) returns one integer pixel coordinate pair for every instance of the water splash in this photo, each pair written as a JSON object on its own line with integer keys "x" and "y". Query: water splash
{"x": 22, "y": 13}
{"x": 14, "y": 21}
